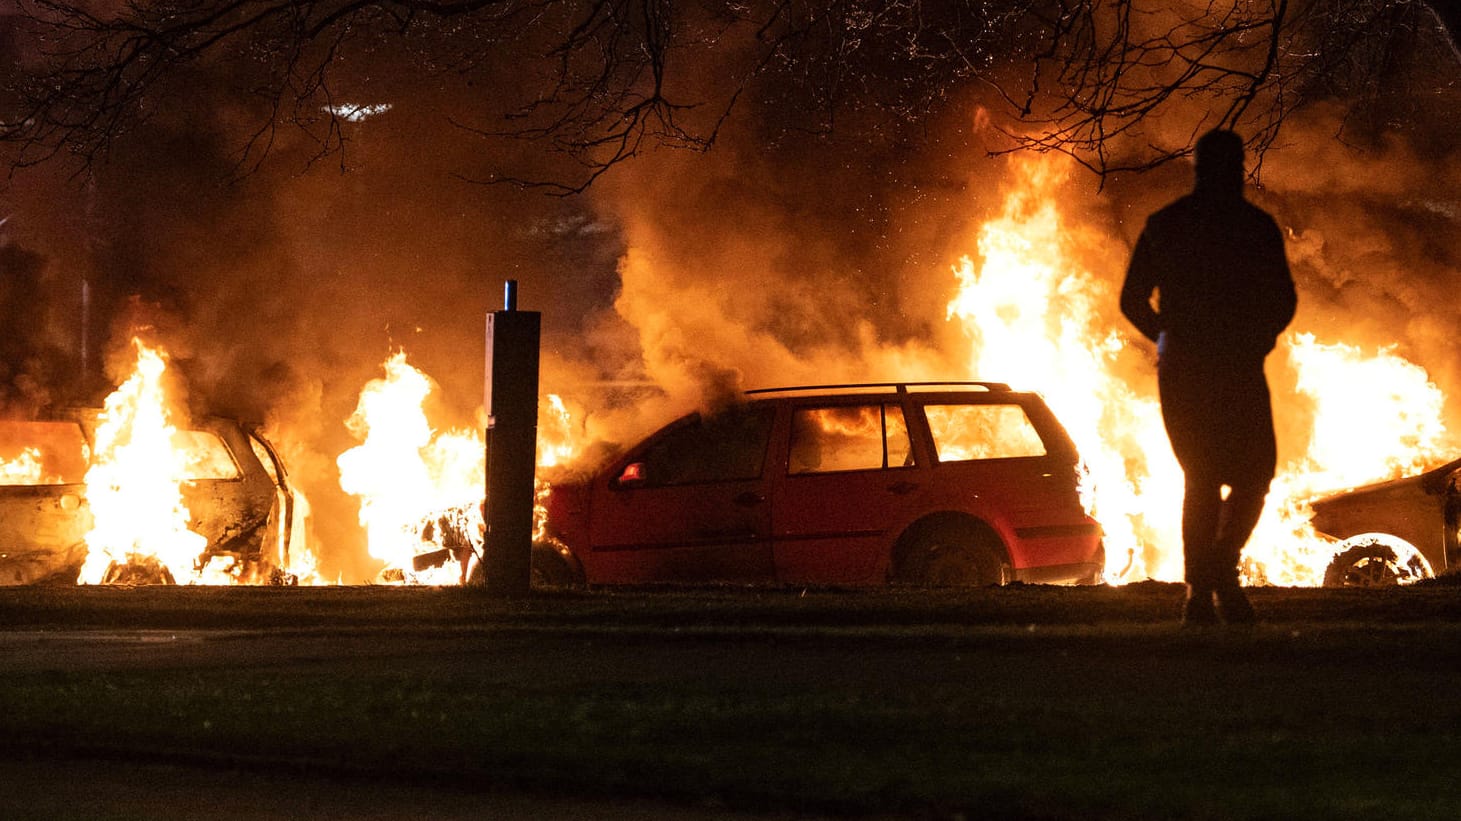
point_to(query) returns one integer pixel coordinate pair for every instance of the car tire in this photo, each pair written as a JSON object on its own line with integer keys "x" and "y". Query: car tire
{"x": 144, "y": 571}
{"x": 948, "y": 557}
{"x": 1375, "y": 560}
{"x": 552, "y": 567}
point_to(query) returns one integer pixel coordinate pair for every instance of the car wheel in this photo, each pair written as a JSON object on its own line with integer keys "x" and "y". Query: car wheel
{"x": 1375, "y": 560}
{"x": 951, "y": 558}
{"x": 142, "y": 570}
{"x": 552, "y": 568}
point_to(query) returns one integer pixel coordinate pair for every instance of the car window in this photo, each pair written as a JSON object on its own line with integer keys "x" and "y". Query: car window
{"x": 963, "y": 433}
{"x": 42, "y": 453}
{"x": 207, "y": 456}
{"x": 848, "y": 437}
{"x": 726, "y": 447}
{"x": 261, "y": 452}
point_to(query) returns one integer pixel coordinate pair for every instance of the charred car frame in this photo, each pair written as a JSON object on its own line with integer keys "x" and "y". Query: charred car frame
{"x": 1394, "y": 532}
{"x": 238, "y": 497}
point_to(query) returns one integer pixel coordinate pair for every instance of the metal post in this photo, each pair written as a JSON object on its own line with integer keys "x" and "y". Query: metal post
{"x": 512, "y": 439}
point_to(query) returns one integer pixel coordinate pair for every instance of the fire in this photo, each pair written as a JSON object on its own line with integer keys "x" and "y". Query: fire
{"x": 556, "y": 445}
{"x": 1040, "y": 320}
{"x": 413, "y": 482}
{"x": 134, "y": 484}
{"x": 1388, "y": 428}
{"x": 26, "y": 468}
{"x": 420, "y": 489}
{"x": 1038, "y": 317}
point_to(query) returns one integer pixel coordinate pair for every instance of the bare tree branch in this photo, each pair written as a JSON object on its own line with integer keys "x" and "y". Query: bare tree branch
{"x": 597, "y": 82}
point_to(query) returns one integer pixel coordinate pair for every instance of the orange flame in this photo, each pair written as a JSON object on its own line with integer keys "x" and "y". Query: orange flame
{"x": 133, "y": 484}
{"x": 408, "y": 475}
{"x": 26, "y": 468}
{"x": 1039, "y": 320}
{"x": 1390, "y": 427}
{"x": 420, "y": 490}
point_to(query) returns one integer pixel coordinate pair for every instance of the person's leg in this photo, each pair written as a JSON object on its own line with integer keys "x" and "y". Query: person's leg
{"x": 1193, "y": 421}
{"x": 1201, "y": 510}
{"x": 1250, "y": 456}
{"x": 1240, "y": 515}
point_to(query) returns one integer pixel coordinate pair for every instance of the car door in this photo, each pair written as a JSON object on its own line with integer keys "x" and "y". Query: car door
{"x": 691, "y": 505}
{"x": 229, "y": 493}
{"x": 849, "y": 484}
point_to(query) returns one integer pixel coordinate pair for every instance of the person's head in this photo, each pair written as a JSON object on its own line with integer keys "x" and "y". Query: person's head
{"x": 1220, "y": 163}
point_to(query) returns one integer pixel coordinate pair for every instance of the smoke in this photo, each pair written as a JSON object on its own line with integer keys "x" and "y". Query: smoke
{"x": 1375, "y": 239}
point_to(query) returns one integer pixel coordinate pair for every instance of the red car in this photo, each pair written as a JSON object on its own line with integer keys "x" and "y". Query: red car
{"x": 947, "y": 483}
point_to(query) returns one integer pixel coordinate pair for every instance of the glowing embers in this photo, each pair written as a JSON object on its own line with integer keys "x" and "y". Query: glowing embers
{"x": 140, "y": 523}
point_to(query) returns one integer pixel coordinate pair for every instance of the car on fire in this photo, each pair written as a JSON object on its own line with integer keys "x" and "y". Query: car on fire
{"x": 1393, "y": 532}
{"x": 919, "y": 483}
{"x": 236, "y": 490}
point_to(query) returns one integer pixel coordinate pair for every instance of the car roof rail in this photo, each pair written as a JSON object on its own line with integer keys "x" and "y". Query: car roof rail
{"x": 901, "y": 387}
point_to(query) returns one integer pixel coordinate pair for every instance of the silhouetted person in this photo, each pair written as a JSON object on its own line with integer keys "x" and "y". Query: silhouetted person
{"x": 1216, "y": 264}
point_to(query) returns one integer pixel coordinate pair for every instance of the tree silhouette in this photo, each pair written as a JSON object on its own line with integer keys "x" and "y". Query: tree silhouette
{"x": 598, "y": 81}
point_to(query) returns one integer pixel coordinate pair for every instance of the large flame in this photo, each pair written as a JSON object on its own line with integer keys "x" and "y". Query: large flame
{"x": 1041, "y": 321}
{"x": 408, "y": 475}
{"x": 1037, "y": 317}
{"x": 134, "y": 484}
{"x": 421, "y": 489}
{"x": 1375, "y": 416}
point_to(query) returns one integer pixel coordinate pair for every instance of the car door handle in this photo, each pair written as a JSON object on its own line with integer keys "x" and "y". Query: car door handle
{"x": 749, "y": 499}
{"x": 902, "y": 488}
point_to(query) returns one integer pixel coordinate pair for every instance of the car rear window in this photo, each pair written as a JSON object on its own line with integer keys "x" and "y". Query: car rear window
{"x": 848, "y": 437}
{"x": 964, "y": 433}
{"x": 42, "y": 453}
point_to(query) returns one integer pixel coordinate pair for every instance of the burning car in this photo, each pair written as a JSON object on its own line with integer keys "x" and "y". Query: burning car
{"x": 233, "y": 485}
{"x": 920, "y": 483}
{"x": 1396, "y": 531}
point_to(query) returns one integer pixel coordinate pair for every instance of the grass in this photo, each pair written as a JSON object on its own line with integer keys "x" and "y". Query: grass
{"x": 1025, "y": 702}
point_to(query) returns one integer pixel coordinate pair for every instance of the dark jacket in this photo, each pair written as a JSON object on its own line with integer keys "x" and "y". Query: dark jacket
{"x": 1218, "y": 267}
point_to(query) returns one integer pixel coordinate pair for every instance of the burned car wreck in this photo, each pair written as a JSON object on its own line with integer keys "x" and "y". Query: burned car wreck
{"x": 234, "y": 487}
{"x": 1394, "y": 532}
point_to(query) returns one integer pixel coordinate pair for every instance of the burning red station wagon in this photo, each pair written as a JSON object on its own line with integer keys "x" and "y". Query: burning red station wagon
{"x": 967, "y": 483}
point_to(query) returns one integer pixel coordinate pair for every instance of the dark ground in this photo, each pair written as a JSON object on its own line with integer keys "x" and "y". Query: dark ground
{"x": 1022, "y": 702}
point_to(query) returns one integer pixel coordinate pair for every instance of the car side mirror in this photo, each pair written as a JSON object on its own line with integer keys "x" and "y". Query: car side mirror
{"x": 631, "y": 476}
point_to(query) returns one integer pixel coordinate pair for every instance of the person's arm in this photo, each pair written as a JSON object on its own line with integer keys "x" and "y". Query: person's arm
{"x": 1285, "y": 300}
{"x": 1136, "y": 293}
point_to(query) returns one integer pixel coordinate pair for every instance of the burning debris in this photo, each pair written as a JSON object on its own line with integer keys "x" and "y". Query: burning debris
{"x": 411, "y": 479}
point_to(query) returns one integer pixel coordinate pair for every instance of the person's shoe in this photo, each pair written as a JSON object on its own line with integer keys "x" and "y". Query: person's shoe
{"x": 1198, "y": 610}
{"x": 1234, "y": 605}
